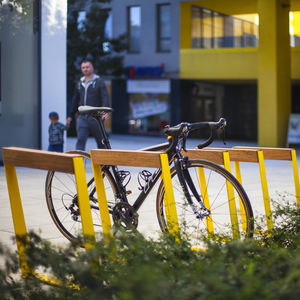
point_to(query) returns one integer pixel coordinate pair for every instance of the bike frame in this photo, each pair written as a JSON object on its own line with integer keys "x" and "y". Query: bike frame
{"x": 173, "y": 155}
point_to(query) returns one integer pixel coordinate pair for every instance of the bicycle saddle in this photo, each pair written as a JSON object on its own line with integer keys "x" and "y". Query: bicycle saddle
{"x": 86, "y": 109}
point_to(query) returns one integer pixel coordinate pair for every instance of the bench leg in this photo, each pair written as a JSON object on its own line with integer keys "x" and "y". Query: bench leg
{"x": 18, "y": 216}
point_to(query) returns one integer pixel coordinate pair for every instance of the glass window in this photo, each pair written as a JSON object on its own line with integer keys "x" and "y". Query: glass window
{"x": 134, "y": 29}
{"x": 207, "y": 28}
{"x": 218, "y": 30}
{"x": 196, "y": 27}
{"x": 211, "y": 29}
{"x": 238, "y": 33}
{"x": 249, "y": 36}
{"x": 164, "y": 28}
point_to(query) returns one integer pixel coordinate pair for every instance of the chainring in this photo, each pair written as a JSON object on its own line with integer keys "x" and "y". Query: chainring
{"x": 125, "y": 216}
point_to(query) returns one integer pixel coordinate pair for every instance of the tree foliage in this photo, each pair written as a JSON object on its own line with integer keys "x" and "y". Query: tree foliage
{"x": 133, "y": 267}
{"x": 89, "y": 41}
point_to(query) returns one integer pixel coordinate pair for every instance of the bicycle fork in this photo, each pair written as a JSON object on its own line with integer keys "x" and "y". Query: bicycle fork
{"x": 187, "y": 183}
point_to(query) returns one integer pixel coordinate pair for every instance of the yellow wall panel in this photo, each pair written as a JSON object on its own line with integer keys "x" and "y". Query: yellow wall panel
{"x": 227, "y": 63}
{"x": 239, "y": 63}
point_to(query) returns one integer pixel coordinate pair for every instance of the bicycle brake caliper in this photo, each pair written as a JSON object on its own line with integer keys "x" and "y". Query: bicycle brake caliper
{"x": 200, "y": 213}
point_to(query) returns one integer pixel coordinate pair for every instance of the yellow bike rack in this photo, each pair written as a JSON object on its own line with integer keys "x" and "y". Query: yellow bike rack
{"x": 287, "y": 154}
{"x": 238, "y": 155}
{"x": 44, "y": 160}
{"x": 220, "y": 157}
{"x": 150, "y": 159}
{"x": 249, "y": 154}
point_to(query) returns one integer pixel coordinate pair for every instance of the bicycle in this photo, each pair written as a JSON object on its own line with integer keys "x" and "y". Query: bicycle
{"x": 192, "y": 213}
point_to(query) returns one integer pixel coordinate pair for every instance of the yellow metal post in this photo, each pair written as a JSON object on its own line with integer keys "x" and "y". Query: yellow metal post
{"x": 204, "y": 194}
{"x": 231, "y": 200}
{"x": 238, "y": 176}
{"x": 296, "y": 176}
{"x": 18, "y": 216}
{"x": 185, "y": 25}
{"x": 84, "y": 202}
{"x": 265, "y": 191}
{"x": 274, "y": 72}
{"x": 170, "y": 206}
{"x": 102, "y": 202}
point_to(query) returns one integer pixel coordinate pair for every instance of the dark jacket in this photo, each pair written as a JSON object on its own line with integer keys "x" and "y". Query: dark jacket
{"x": 94, "y": 95}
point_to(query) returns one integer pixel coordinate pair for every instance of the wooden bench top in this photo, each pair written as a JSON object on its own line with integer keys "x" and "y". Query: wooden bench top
{"x": 38, "y": 159}
{"x": 271, "y": 153}
{"x": 135, "y": 158}
{"x": 214, "y": 155}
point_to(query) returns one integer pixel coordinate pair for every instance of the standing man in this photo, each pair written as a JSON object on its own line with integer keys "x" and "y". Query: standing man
{"x": 90, "y": 90}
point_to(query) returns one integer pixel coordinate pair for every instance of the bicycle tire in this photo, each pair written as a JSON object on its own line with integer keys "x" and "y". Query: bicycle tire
{"x": 61, "y": 198}
{"x": 216, "y": 192}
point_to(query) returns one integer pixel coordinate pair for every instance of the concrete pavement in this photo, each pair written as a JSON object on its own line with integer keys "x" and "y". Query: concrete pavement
{"x": 32, "y": 189}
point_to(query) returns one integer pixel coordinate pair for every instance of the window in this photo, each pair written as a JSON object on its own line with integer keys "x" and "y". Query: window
{"x": 163, "y": 28}
{"x": 207, "y": 26}
{"x": 134, "y": 29}
{"x": 196, "y": 27}
{"x": 211, "y": 29}
{"x": 238, "y": 29}
{"x": 218, "y": 30}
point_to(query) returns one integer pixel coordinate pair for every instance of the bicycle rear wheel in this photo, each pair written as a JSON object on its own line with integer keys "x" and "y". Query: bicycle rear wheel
{"x": 62, "y": 201}
{"x": 212, "y": 183}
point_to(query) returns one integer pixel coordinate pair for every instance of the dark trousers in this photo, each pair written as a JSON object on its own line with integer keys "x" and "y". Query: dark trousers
{"x": 84, "y": 126}
{"x": 56, "y": 148}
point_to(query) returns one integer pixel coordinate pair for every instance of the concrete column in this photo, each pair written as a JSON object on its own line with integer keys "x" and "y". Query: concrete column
{"x": 53, "y": 63}
{"x": 274, "y": 79}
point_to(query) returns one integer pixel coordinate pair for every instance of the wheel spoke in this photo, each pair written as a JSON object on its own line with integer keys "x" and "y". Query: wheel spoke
{"x": 61, "y": 197}
{"x": 216, "y": 194}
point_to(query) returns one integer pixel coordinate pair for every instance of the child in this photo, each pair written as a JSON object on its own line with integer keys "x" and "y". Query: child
{"x": 56, "y": 133}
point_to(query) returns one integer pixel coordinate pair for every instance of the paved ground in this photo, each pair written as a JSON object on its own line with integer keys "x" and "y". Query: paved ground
{"x": 32, "y": 182}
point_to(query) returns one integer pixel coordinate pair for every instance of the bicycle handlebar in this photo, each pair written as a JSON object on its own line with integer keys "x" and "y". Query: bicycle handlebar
{"x": 213, "y": 126}
{"x": 183, "y": 129}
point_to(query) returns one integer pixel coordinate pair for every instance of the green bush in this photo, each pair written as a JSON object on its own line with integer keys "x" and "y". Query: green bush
{"x": 132, "y": 267}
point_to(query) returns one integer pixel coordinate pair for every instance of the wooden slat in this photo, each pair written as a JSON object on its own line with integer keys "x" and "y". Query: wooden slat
{"x": 272, "y": 153}
{"x": 148, "y": 159}
{"x": 215, "y": 156}
{"x": 242, "y": 155}
{"x": 38, "y": 159}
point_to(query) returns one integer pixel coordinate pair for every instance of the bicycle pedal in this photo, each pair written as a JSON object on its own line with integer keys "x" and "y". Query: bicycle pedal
{"x": 128, "y": 192}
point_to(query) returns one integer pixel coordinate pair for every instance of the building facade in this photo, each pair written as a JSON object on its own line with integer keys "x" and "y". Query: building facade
{"x": 186, "y": 61}
{"x": 33, "y": 70}
{"x": 218, "y": 58}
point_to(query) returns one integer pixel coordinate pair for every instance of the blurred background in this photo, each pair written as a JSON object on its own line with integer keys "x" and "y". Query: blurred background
{"x": 164, "y": 62}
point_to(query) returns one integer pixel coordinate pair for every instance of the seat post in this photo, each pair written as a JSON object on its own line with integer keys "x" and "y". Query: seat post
{"x": 105, "y": 140}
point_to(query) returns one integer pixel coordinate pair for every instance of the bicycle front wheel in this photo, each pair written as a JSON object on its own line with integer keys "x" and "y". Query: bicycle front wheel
{"x": 219, "y": 191}
{"x": 62, "y": 200}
